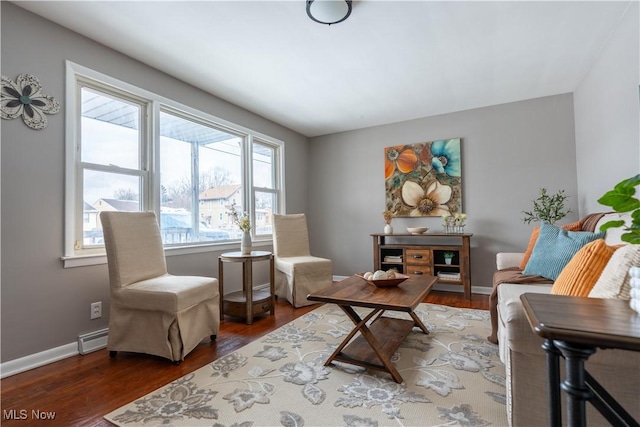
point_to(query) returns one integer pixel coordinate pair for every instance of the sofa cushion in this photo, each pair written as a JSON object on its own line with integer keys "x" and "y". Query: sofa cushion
{"x": 514, "y": 331}
{"x": 581, "y": 273}
{"x": 555, "y": 248}
{"x": 574, "y": 226}
{"x": 532, "y": 242}
{"x": 614, "y": 280}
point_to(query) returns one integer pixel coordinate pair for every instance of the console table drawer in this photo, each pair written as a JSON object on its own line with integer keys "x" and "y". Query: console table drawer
{"x": 419, "y": 270}
{"x": 418, "y": 256}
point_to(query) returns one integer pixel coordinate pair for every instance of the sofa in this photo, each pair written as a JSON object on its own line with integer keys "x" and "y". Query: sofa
{"x": 618, "y": 371}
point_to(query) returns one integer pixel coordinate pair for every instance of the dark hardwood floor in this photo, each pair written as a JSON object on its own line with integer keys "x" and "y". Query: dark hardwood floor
{"x": 81, "y": 389}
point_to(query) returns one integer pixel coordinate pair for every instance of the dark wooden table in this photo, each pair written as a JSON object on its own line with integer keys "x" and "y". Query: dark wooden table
{"x": 575, "y": 327}
{"x": 247, "y": 302}
{"x": 378, "y": 342}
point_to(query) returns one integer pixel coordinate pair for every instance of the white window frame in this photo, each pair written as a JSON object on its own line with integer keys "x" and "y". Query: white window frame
{"x": 277, "y": 168}
{"x": 75, "y": 255}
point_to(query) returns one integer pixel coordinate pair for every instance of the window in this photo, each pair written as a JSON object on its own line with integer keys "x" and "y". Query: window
{"x": 132, "y": 150}
{"x": 199, "y": 163}
{"x": 111, "y": 168}
{"x": 265, "y": 188}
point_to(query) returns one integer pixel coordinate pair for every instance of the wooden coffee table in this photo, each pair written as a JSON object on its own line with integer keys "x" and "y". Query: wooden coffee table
{"x": 379, "y": 340}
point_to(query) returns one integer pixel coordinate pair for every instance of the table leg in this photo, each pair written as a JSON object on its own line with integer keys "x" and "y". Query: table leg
{"x": 419, "y": 323}
{"x": 272, "y": 285}
{"x": 607, "y": 405}
{"x": 464, "y": 272}
{"x": 386, "y": 360}
{"x": 221, "y": 287}
{"x": 361, "y": 326}
{"x": 553, "y": 383}
{"x": 355, "y": 318}
{"x": 247, "y": 284}
{"x": 574, "y": 384}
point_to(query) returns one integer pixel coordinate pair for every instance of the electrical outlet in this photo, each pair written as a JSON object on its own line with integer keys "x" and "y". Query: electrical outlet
{"x": 96, "y": 310}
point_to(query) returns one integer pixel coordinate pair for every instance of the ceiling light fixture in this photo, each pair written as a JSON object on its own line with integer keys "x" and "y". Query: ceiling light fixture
{"x": 328, "y": 11}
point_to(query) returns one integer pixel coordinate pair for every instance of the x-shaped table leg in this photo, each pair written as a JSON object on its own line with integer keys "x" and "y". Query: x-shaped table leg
{"x": 376, "y": 346}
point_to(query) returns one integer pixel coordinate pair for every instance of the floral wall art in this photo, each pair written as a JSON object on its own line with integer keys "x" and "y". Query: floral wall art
{"x": 24, "y": 98}
{"x": 423, "y": 179}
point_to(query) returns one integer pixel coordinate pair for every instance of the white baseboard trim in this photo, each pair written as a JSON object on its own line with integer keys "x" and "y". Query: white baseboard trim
{"x": 36, "y": 360}
{"x": 482, "y": 290}
{"x": 264, "y": 286}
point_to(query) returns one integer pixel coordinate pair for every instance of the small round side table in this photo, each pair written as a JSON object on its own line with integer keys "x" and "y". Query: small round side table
{"x": 247, "y": 302}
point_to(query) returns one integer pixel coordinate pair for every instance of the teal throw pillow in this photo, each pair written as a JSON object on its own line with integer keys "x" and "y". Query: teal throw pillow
{"x": 555, "y": 248}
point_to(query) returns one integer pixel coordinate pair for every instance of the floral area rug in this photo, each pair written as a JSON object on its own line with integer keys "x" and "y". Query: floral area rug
{"x": 452, "y": 377}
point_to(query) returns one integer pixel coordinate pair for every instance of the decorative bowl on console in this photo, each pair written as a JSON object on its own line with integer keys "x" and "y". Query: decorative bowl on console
{"x": 417, "y": 230}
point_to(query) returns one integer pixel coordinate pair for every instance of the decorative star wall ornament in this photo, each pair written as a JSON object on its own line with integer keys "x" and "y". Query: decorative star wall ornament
{"x": 24, "y": 98}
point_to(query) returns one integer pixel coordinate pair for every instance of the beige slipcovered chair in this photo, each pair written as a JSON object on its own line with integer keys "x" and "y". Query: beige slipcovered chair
{"x": 153, "y": 312}
{"x": 298, "y": 273}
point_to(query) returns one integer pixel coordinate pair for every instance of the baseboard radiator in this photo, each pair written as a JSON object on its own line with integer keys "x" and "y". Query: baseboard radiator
{"x": 93, "y": 341}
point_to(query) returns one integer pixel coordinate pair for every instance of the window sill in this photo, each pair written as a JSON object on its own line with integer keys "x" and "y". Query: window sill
{"x": 83, "y": 260}
{"x": 101, "y": 258}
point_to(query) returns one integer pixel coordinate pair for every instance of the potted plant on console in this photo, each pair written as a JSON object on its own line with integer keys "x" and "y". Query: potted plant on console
{"x": 448, "y": 256}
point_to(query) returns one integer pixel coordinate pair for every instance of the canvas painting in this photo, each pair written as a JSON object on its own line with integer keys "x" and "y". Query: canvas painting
{"x": 423, "y": 179}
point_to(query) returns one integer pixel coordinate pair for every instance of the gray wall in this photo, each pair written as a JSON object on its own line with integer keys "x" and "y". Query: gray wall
{"x": 44, "y": 305}
{"x": 509, "y": 152}
{"x": 607, "y": 115}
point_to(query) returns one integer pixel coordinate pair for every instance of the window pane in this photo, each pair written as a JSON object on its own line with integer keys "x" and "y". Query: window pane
{"x": 265, "y": 207}
{"x": 200, "y": 177}
{"x": 110, "y": 130}
{"x": 104, "y": 191}
{"x": 263, "y": 169}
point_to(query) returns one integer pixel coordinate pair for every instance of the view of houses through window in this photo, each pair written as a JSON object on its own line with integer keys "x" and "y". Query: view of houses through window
{"x": 193, "y": 176}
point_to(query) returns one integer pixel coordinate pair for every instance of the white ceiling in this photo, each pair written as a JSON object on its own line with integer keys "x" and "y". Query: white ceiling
{"x": 389, "y": 61}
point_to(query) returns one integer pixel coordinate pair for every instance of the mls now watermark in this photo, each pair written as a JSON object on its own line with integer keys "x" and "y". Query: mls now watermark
{"x": 23, "y": 414}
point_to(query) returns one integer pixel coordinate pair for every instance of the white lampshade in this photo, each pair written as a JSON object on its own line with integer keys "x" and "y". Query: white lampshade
{"x": 328, "y": 11}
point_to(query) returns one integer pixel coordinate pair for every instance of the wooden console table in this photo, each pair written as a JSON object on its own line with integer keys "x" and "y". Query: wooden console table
{"x": 247, "y": 302}
{"x": 424, "y": 255}
{"x": 575, "y": 327}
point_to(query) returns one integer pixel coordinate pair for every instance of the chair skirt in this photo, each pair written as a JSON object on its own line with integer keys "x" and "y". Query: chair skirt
{"x": 297, "y": 277}
{"x": 158, "y": 333}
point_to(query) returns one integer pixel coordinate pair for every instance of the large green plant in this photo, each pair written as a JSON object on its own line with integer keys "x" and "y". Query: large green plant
{"x": 547, "y": 207}
{"x": 622, "y": 199}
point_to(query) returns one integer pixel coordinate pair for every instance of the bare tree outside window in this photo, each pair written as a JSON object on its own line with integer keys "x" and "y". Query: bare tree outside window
{"x": 125, "y": 194}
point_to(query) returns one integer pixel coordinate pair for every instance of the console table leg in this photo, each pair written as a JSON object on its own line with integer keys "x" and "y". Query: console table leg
{"x": 574, "y": 384}
{"x": 553, "y": 383}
